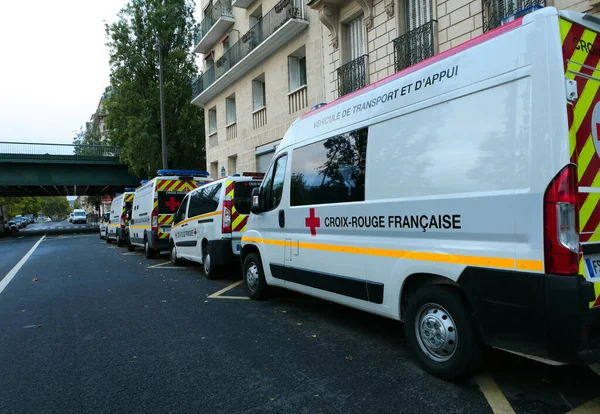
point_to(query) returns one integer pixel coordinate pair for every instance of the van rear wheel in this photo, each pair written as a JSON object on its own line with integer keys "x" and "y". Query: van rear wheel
{"x": 442, "y": 333}
{"x": 149, "y": 251}
{"x": 119, "y": 239}
{"x": 254, "y": 278}
{"x": 106, "y": 237}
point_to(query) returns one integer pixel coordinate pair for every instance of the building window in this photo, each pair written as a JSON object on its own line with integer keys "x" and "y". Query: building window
{"x": 212, "y": 121}
{"x": 494, "y": 11}
{"x": 331, "y": 170}
{"x": 255, "y": 16}
{"x": 355, "y": 39}
{"x": 297, "y": 69}
{"x": 258, "y": 93}
{"x": 232, "y": 164}
{"x": 230, "y": 109}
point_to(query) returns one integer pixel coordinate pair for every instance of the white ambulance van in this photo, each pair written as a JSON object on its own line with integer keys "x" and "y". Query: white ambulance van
{"x": 118, "y": 224}
{"x": 156, "y": 201}
{"x": 459, "y": 195}
{"x": 211, "y": 219}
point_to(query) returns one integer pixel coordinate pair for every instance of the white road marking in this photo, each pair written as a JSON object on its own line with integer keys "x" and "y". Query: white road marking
{"x": 4, "y": 282}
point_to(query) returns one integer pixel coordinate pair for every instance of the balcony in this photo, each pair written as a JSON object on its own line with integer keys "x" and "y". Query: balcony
{"x": 217, "y": 21}
{"x": 243, "y": 4}
{"x": 280, "y": 25}
{"x": 414, "y": 46}
{"x": 352, "y": 76}
{"x": 494, "y": 11}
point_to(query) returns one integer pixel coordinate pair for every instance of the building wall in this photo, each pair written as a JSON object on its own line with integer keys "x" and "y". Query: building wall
{"x": 457, "y": 22}
{"x": 239, "y": 153}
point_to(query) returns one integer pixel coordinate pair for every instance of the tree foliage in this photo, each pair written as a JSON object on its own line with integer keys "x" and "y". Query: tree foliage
{"x": 49, "y": 206}
{"x": 134, "y": 103}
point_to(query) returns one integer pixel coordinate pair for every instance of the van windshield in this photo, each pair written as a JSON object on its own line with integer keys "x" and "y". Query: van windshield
{"x": 242, "y": 195}
{"x": 79, "y": 213}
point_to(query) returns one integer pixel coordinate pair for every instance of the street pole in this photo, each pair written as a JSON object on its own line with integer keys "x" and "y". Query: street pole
{"x": 163, "y": 130}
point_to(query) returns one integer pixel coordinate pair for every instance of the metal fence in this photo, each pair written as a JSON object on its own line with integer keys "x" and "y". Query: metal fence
{"x": 352, "y": 76}
{"x": 17, "y": 150}
{"x": 211, "y": 16}
{"x": 283, "y": 11}
{"x": 414, "y": 46}
{"x": 496, "y": 10}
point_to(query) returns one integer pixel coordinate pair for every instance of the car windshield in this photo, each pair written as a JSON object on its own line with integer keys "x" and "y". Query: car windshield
{"x": 80, "y": 214}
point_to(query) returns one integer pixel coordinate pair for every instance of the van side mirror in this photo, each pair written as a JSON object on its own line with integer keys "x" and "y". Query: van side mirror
{"x": 256, "y": 204}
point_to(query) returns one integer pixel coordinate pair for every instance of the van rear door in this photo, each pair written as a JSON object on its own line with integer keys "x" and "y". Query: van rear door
{"x": 241, "y": 194}
{"x": 581, "y": 54}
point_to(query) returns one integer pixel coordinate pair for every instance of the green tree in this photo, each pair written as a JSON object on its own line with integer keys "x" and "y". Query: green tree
{"x": 55, "y": 206}
{"x": 134, "y": 103}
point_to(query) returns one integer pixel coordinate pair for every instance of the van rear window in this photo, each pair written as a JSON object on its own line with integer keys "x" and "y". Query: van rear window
{"x": 242, "y": 195}
{"x": 169, "y": 201}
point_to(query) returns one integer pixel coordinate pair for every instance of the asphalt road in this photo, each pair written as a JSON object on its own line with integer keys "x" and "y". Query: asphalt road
{"x": 89, "y": 327}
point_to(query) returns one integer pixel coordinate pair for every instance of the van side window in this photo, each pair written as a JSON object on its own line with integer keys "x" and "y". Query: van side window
{"x": 272, "y": 187}
{"x": 330, "y": 171}
{"x": 205, "y": 200}
{"x": 183, "y": 207}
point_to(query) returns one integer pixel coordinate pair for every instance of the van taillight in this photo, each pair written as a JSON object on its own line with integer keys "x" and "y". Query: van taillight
{"x": 154, "y": 220}
{"x": 227, "y": 207}
{"x": 561, "y": 223}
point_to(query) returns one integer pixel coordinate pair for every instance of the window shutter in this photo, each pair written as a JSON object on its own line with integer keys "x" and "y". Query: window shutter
{"x": 294, "y": 72}
{"x": 355, "y": 38}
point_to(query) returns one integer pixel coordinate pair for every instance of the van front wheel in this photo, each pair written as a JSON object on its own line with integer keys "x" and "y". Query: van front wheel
{"x": 442, "y": 333}
{"x": 254, "y": 278}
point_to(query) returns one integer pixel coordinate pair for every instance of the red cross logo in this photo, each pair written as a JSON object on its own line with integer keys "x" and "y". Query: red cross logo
{"x": 194, "y": 232}
{"x": 312, "y": 222}
{"x": 172, "y": 204}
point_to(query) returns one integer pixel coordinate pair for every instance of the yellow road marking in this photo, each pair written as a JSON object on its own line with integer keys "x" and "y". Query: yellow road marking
{"x": 492, "y": 393}
{"x": 158, "y": 265}
{"x": 590, "y": 407}
{"x": 217, "y": 295}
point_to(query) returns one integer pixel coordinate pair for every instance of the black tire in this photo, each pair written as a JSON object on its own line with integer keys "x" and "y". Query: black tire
{"x": 149, "y": 251}
{"x": 101, "y": 236}
{"x": 445, "y": 306}
{"x": 106, "y": 237}
{"x": 256, "y": 286}
{"x": 119, "y": 239}
{"x": 210, "y": 270}
{"x": 175, "y": 261}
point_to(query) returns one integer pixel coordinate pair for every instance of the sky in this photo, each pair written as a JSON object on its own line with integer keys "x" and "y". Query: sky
{"x": 53, "y": 67}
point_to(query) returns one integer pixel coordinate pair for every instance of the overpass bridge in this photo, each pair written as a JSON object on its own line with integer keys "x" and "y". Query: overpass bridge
{"x": 38, "y": 169}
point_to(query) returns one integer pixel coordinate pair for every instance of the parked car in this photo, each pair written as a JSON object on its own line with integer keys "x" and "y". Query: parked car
{"x": 19, "y": 222}
{"x": 13, "y": 226}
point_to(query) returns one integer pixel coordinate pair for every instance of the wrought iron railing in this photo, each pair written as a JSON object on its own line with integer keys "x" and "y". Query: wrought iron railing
{"x": 263, "y": 29}
{"x": 211, "y": 16}
{"x": 40, "y": 151}
{"x": 352, "y": 76}
{"x": 496, "y": 10}
{"x": 414, "y": 46}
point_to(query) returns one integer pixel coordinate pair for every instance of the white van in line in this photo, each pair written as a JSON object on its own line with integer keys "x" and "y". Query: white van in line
{"x": 155, "y": 203}
{"x": 209, "y": 224}
{"x": 459, "y": 196}
{"x": 118, "y": 224}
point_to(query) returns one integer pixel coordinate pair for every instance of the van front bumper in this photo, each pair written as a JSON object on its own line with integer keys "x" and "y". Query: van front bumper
{"x": 542, "y": 315}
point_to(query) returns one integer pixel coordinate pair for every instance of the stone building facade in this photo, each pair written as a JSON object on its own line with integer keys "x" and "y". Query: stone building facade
{"x": 262, "y": 68}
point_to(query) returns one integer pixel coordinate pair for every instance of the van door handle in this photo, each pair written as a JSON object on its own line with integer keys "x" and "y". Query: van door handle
{"x": 281, "y": 218}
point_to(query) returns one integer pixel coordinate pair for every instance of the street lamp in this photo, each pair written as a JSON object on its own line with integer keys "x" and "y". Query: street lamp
{"x": 163, "y": 131}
